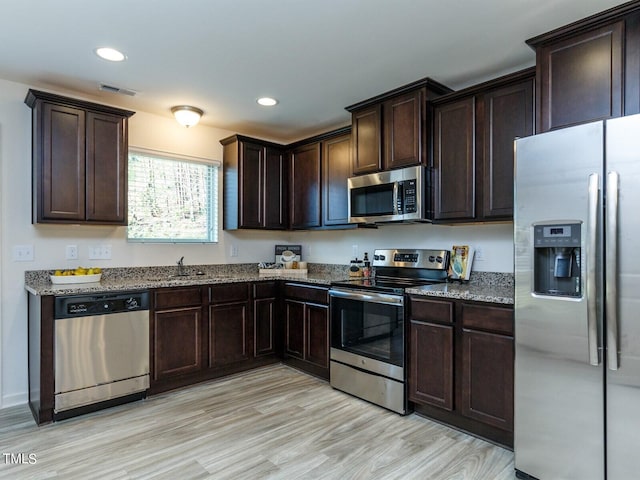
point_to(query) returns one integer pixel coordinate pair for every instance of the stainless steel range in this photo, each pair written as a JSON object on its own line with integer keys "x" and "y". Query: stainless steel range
{"x": 367, "y": 325}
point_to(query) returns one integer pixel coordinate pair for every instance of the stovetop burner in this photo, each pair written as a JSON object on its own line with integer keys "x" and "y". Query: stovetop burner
{"x": 399, "y": 269}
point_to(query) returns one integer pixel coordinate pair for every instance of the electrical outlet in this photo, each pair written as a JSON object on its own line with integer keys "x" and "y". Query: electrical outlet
{"x": 354, "y": 251}
{"x": 71, "y": 252}
{"x": 234, "y": 250}
{"x": 23, "y": 253}
{"x": 100, "y": 252}
{"x": 479, "y": 254}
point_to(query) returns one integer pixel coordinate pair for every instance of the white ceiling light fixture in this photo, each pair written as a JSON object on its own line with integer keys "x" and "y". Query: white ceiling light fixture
{"x": 110, "y": 54}
{"x": 267, "y": 101}
{"x": 187, "y": 115}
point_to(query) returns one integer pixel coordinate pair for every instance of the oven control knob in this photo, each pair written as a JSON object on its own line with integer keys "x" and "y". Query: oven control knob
{"x": 376, "y": 257}
{"x": 383, "y": 258}
{"x": 439, "y": 259}
{"x": 432, "y": 258}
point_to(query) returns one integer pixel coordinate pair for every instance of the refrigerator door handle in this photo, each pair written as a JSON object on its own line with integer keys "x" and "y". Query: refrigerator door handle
{"x": 592, "y": 244}
{"x": 611, "y": 303}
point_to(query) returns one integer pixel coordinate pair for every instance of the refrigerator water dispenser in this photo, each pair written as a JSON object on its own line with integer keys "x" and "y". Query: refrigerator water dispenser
{"x": 557, "y": 259}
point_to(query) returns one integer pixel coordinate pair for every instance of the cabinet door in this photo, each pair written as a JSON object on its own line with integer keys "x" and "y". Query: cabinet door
{"x": 580, "y": 78}
{"x": 367, "y": 141}
{"x": 176, "y": 342}
{"x": 454, "y": 160}
{"x": 63, "y": 167}
{"x": 264, "y": 325}
{"x": 431, "y": 363}
{"x": 294, "y": 328}
{"x": 106, "y": 187}
{"x": 403, "y": 130}
{"x": 487, "y": 378}
{"x": 508, "y": 113}
{"x": 251, "y": 185}
{"x": 305, "y": 187}
{"x": 336, "y": 168}
{"x": 317, "y": 334}
{"x": 275, "y": 190}
{"x": 228, "y": 336}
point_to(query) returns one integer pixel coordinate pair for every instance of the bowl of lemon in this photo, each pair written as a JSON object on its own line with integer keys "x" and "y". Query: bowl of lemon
{"x": 77, "y": 275}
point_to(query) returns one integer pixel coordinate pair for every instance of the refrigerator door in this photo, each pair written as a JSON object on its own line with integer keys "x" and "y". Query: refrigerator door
{"x": 623, "y": 299}
{"x": 559, "y": 394}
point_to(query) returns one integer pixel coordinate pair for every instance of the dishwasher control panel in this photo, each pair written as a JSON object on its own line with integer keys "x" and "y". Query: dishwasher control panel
{"x": 86, "y": 305}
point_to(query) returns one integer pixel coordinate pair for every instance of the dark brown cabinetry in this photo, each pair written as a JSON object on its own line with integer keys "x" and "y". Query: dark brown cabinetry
{"x": 306, "y": 329}
{"x": 230, "y": 329}
{"x": 431, "y": 361}
{"x": 473, "y": 134}
{"x": 461, "y": 357}
{"x": 176, "y": 333}
{"x": 589, "y": 70}
{"x": 336, "y": 169}
{"x": 79, "y": 161}
{"x": 265, "y": 330}
{"x": 305, "y": 202}
{"x": 390, "y": 130}
{"x": 255, "y": 184}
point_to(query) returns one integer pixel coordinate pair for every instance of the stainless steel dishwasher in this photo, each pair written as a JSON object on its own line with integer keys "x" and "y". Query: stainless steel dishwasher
{"x": 101, "y": 350}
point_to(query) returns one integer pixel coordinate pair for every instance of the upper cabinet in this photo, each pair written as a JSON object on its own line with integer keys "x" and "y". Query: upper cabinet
{"x": 473, "y": 134}
{"x": 589, "y": 70}
{"x": 390, "y": 130}
{"x": 79, "y": 160}
{"x": 255, "y": 184}
{"x": 298, "y": 186}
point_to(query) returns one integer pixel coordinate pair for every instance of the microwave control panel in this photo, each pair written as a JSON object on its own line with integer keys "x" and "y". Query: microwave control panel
{"x": 408, "y": 200}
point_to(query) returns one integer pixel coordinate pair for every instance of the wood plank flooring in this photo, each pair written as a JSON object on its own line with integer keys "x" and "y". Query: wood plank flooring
{"x": 270, "y": 423}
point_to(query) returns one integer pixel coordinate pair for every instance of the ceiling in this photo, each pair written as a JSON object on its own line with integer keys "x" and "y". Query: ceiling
{"x": 315, "y": 57}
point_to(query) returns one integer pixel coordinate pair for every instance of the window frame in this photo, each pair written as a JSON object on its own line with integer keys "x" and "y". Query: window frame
{"x": 214, "y": 198}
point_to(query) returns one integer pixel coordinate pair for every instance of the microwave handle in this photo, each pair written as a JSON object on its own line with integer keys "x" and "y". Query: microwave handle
{"x": 396, "y": 188}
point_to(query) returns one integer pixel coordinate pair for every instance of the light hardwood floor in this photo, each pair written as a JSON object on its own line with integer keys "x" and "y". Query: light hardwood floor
{"x": 270, "y": 423}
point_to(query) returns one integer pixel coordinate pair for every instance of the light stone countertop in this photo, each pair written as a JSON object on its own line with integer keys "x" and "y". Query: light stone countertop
{"x": 483, "y": 287}
{"x": 476, "y": 292}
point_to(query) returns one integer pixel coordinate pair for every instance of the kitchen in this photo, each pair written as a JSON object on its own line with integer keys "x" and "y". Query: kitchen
{"x": 161, "y": 133}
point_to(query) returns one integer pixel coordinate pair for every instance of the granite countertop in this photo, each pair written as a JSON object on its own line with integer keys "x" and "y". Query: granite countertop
{"x": 483, "y": 286}
{"x": 475, "y": 292}
{"x": 144, "y": 278}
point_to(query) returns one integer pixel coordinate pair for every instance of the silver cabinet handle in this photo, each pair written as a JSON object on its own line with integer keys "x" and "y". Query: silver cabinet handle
{"x": 591, "y": 287}
{"x": 611, "y": 303}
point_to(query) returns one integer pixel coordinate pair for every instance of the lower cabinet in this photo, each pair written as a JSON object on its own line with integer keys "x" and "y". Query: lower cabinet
{"x": 176, "y": 332}
{"x": 230, "y": 329}
{"x": 265, "y": 306}
{"x": 306, "y": 328}
{"x": 461, "y": 357}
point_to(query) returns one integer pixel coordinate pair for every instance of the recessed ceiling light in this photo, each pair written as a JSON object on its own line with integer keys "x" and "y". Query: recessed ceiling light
{"x": 110, "y": 54}
{"x": 267, "y": 101}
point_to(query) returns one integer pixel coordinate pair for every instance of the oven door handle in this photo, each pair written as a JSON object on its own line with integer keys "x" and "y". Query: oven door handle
{"x": 368, "y": 297}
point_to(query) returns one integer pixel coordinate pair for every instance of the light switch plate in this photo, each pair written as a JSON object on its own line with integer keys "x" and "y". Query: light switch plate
{"x": 100, "y": 252}
{"x": 23, "y": 253}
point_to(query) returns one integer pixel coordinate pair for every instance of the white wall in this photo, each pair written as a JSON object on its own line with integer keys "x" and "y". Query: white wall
{"x": 161, "y": 133}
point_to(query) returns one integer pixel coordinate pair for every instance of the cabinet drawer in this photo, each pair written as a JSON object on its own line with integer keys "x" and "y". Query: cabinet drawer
{"x": 264, "y": 290}
{"x": 431, "y": 310}
{"x": 230, "y": 292}
{"x": 177, "y": 297}
{"x": 306, "y": 293}
{"x": 482, "y": 317}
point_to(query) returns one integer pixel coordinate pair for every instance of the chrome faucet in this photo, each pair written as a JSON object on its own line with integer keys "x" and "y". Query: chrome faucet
{"x": 181, "y": 272}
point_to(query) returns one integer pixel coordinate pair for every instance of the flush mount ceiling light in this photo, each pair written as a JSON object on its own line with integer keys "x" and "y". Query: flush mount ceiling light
{"x": 110, "y": 54}
{"x": 186, "y": 115}
{"x": 267, "y": 101}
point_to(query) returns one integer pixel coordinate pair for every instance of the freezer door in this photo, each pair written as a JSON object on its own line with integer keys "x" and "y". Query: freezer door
{"x": 623, "y": 299}
{"x": 559, "y": 394}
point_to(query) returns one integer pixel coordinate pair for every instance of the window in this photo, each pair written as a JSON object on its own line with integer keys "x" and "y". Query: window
{"x": 172, "y": 198}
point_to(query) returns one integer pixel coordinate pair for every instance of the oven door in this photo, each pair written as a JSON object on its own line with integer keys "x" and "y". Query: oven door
{"x": 368, "y": 324}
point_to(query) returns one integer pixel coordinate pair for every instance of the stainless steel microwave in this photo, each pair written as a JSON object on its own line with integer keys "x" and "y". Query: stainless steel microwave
{"x": 391, "y": 196}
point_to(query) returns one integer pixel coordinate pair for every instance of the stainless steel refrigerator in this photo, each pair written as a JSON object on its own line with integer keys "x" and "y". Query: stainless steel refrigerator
{"x": 577, "y": 302}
